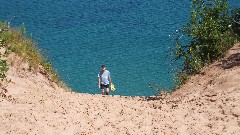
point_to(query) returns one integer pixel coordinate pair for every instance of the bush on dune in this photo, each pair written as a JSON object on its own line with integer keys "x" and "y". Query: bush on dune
{"x": 206, "y": 38}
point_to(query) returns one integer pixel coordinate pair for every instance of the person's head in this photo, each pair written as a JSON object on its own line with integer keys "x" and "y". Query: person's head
{"x": 103, "y": 67}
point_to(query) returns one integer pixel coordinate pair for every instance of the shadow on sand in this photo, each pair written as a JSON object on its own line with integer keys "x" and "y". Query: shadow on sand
{"x": 231, "y": 61}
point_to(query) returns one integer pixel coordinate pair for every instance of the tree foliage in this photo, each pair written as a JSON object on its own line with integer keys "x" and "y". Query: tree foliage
{"x": 236, "y": 21}
{"x": 206, "y": 37}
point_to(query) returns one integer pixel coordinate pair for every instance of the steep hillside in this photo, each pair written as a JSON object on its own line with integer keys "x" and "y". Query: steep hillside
{"x": 208, "y": 104}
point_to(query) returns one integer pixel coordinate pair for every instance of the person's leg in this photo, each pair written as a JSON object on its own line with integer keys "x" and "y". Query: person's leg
{"x": 102, "y": 87}
{"x": 103, "y": 91}
{"x": 107, "y": 89}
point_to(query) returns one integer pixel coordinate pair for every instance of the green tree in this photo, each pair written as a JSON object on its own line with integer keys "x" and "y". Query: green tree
{"x": 236, "y": 21}
{"x": 206, "y": 37}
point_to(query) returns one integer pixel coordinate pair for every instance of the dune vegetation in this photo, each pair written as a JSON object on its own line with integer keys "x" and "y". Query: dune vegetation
{"x": 213, "y": 28}
{"x": 15, "y": 40}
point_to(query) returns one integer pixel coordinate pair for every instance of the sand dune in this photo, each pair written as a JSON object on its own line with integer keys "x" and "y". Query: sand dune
{"x": 208, "y": 104}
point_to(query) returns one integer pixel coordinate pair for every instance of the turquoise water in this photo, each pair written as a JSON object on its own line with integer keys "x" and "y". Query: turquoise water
{"x": 131, "y": 37}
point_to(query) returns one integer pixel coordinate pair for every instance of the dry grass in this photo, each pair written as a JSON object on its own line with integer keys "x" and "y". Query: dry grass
{"x": 15, "y": 40}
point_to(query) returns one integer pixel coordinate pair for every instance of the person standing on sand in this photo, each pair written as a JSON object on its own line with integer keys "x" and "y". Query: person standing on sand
{"x": 104, "y": 79}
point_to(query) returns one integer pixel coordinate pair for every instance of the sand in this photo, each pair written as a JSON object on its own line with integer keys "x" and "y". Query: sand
{"x": 208, "y": 104}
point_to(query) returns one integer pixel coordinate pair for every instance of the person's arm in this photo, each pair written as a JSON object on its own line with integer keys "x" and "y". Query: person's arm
{"x": 110, "y": 80}
{"x": 99, "y": 81}
{"x": 99, "y": 86}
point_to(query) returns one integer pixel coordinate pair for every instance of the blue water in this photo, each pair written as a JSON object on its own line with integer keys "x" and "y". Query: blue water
{"x": 131, "y": 37}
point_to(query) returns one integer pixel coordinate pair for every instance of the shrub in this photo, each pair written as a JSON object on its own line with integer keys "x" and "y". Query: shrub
{"x": 236, "y": 21}
{"x": 205, "y": 38}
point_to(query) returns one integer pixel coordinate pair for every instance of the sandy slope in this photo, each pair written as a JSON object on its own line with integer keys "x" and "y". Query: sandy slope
{"x": 208, "y": 104}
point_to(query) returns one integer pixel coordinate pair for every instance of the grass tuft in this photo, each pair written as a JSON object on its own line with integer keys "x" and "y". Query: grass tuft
{"x": 15, "y": 40}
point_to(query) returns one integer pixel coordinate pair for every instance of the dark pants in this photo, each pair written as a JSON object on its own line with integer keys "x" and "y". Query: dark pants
{"x": 102, "y": 86}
